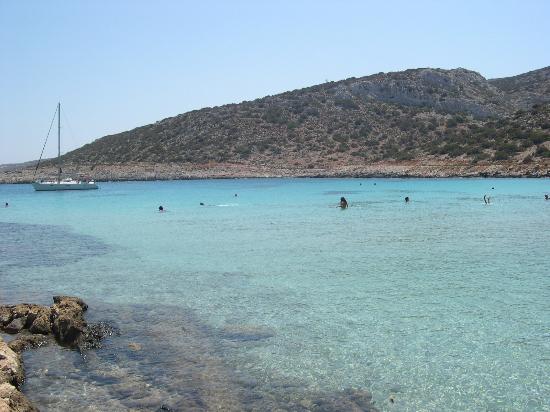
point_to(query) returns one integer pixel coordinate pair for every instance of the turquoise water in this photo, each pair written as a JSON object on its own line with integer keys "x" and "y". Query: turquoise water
{"x": 439, "y": 304}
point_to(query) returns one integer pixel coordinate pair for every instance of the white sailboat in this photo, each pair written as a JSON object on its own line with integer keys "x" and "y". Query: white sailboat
{"x": 61, "y": 184}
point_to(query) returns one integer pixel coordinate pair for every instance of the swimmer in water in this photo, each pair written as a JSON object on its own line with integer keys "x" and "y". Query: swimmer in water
{"x": 545, "y": 198}
{"x": 161, "y": 209}
{"x": 407, "y": 199}
{"x": 486, "y": 199}
{"x": 202, "y": 204}
{"x": 343, "y": 203}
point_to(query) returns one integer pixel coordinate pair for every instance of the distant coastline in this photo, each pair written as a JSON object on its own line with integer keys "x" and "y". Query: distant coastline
{"x": 416, "y": 123}
{"x": 175, "y": 171}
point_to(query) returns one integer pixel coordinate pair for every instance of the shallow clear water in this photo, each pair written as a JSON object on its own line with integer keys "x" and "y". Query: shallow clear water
{"x": 439, "y": 304}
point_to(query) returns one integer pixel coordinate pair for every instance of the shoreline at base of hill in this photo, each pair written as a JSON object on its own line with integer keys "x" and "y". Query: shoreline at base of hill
{"x": 183, "y": 171}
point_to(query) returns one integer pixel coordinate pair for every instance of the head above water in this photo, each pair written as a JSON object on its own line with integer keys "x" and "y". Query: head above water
{"x": 161, "y": 209}
{"x": 407, "y": 199}
{"x": 343, "y": 202}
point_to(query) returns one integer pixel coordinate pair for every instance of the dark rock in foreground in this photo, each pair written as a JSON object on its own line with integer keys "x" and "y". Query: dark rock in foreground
{"x": 67, "y": 319}
{"x": 64, "y": 320}
{"x": 37, "y": 325}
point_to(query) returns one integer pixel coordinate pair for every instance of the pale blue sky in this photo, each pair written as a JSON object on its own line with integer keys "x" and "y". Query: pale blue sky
{"x": 116, "y": 65}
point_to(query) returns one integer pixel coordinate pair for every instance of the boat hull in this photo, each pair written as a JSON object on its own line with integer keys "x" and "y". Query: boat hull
{"x": 51, "y": 187}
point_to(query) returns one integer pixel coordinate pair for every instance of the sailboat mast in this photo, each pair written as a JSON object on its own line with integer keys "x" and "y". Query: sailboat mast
{"x": 59, "y": 141}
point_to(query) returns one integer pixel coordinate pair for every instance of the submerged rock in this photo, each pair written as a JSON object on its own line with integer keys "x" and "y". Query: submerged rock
{"x": 352, "y": 400}
{"x": 93, "y": 334}
{"x": 164, "y": 408}
{"x": 245, "y": 333}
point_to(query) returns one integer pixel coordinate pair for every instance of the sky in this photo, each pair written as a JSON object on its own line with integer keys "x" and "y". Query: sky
{"x": 116, "y": 65}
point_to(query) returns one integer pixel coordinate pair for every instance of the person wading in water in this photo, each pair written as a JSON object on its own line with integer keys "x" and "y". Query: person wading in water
{"x": 343, "y": 203}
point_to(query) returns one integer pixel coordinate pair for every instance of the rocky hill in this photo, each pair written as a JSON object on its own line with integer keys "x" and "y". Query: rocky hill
{"x": 423, "y": 116}
{"x": 526, "y": 89}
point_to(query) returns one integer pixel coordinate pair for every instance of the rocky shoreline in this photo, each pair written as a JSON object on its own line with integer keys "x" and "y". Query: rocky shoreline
{"x": 35, "y": 326}
{"x": 183, "y": 171}
{"x": 163, "y": 361}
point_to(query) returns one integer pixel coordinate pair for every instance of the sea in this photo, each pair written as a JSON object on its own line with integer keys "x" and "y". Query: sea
{"x": 262, "y": 294}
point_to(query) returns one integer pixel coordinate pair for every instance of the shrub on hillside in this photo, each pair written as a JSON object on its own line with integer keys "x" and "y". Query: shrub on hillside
{"x": 451, "y": 123}
{"x": 312, "y": 111}
{"x": 342, "y": 147}
{"x": 347, "y": 104}
{"x": 291, "y": 125}
{"x": 537, "y": 136}
{"x": 405, "y": 123}
{"x": 243, "y": 151}
{"x": 275, "y": 115}
{"x": 509, "y": 148}
{"x": 404, "y": 155}
{"x": 500, "y": 155}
